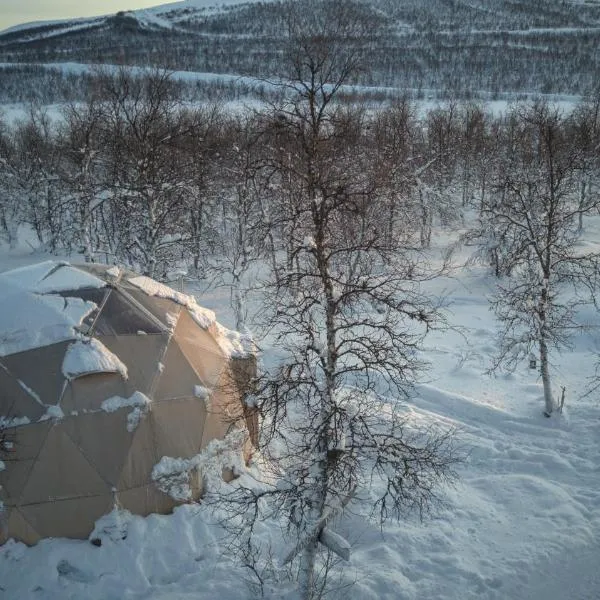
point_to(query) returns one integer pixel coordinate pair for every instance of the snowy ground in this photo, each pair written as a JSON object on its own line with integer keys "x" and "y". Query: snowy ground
{"x": 522, "y": 523}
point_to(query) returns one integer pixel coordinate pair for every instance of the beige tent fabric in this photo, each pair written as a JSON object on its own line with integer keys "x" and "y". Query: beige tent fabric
{"x": 12, "y": 486}
{"x": 141, "y": 354}
{"x": 217, "y": 421}
{"x": 20, "y": 528}
{"x": 40, "y": 370}
{"x": 147, "y": 500}
{"x": 81, "y": 444}
{"x": 11, "y": 392}
{"x": 86, "y": 393}
{"x": 200, "y": 349}
{"x": 103, "y": 439}
{"x": 141, "y": 457}
{"x": 178, "y": 426}
{"x": 25, "y": 446}
{"x": 178, "y": 378}
{"x": 16, "y": 402}
{"x": 67, "y": 518}
{"x": 61, "y": 471}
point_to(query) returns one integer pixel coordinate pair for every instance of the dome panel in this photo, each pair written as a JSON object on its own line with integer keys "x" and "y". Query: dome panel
{"x": 145, "y": 500}
{"x": 103, "y": 439}
{"x": 88, "y": 392}
{"x": 25, "y": 443}
{"x": 67, "y": 518}
{"x": 225, "y": 409}
{"x": 141, "y": 354}
{"x": 13, "y": 480}
{"x": 61, "y": 471}
{"x": 10, "y": 393}
{"x": 176, "y": 378}
{"x": 119, "y": 316}
{"x": 141, "y": 458}
{"x": 179, "y": 425}
{"x": 19, "y": 528}
{"x": 40, "y": 370}
{"x": 200, "y": 348}
{"x": 166, "y": 311}
{"x": 27, "y": 440}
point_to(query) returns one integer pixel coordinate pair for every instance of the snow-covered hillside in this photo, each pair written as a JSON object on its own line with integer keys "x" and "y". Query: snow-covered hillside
{"x": 523, "y": 521}
{"x": 458, "y": 48}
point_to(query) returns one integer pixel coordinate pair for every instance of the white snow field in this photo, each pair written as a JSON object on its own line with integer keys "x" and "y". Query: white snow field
{"x": 523, "y": 521}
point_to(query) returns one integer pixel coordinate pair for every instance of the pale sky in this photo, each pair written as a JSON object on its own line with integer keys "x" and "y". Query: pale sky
{"x": 15, "y": 12}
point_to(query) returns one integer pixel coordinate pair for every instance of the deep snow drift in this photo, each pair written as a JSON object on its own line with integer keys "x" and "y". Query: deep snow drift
{"x": 523, "y": 522}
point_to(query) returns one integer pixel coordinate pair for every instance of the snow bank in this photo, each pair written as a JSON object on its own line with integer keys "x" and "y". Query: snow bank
{"x": 91, "y": 356}
{"x": 190, "y": 548}
{"x": 113, "y": 526}
{"x": 173, "y": 475}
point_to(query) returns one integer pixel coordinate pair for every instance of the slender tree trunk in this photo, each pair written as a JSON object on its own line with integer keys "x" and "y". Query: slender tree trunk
{"x": 582, "y": 201}
{"x": 320, "y": 487}
{"x": 543, "y": 337}
{"x": 306, "y": 581}
{"x": 425, "y": 233}
{"x": 392, "y": 220}
{"x": 238, "y": 304}
{"x": 544, "y": 367}
{"x": 317, "y": 501}
{"x": 84, "y": 229}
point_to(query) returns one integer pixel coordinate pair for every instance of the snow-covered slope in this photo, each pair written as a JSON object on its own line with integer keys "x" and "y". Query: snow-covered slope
{"x": 523, "y": 522}
{"x": 522, "y": 46}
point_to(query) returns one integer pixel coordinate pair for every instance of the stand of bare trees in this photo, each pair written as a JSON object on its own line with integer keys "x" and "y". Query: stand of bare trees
{"x": 536, "y": 211}
{"x": 337, "y": 207}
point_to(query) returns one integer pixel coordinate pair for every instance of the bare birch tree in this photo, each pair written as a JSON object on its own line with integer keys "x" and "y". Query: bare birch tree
{"x": 347, "y": 315}
{"x": 537, "y": 208}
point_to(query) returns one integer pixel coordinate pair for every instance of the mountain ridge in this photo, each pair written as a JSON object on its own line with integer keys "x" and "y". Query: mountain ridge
{"x": 459, "y": 46}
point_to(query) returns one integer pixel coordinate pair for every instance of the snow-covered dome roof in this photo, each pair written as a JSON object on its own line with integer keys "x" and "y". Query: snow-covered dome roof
{"x": 102, "y": 373}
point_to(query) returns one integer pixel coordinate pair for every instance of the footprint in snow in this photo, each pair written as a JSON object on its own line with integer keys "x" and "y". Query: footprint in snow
{"x": 72, "y": 573}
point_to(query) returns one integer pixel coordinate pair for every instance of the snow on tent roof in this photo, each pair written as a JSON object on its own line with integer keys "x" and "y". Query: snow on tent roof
{"x": 30, "y": 320}
{"x": 231, "y": 343}
{"x": 32, "y": 314}
{"x": 91, "y": 356}
{"x": 203, "y": 316}
{"x": 48, "y": 302}
{"x": 51, "y": 276}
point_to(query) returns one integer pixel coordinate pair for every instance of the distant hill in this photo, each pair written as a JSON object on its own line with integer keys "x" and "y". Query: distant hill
{"x": 455, "y": 47}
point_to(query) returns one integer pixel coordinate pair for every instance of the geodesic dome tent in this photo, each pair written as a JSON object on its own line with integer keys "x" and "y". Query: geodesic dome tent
{"x": 102, "y": 373}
